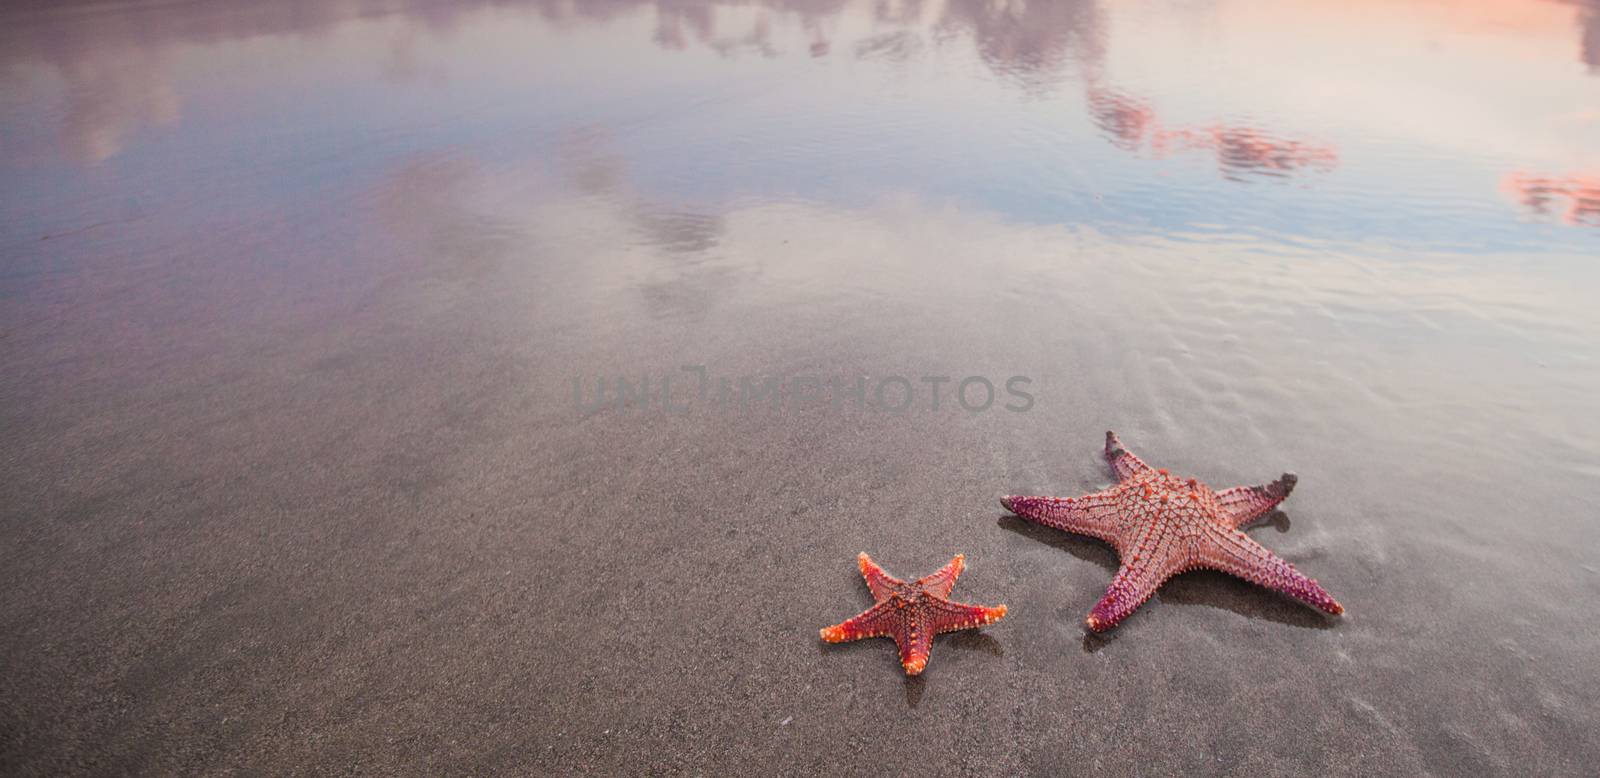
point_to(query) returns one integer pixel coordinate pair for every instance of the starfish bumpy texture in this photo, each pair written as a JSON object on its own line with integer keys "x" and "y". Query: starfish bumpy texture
{"x": 912, "y": 613}
{"x": 1162, "y": 525}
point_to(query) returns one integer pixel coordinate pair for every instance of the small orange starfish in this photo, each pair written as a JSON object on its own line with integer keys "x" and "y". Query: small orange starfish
{"x": 912, "y": 613}
{"x": 1162, "y": 525}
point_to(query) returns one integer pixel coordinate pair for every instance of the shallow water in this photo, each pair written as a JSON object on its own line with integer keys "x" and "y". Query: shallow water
{"x": 294, "y": 299}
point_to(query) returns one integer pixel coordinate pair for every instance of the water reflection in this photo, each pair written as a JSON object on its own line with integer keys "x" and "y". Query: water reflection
{"x": 1589, "y": 19}
{"x": 594, "y": 171}
{"x": 1241, "y": 151}
{"x": 1588, "y": 13}
{"x": 115, "y": 60}
{"x": 124, "y": 73}
{"x": 1031, "y": 43}
{"x": 679, "y": 274}
{"x": 1575, "y": 199}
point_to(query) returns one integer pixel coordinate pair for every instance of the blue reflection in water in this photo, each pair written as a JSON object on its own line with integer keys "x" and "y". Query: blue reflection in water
{"x": 1055, "y": 113}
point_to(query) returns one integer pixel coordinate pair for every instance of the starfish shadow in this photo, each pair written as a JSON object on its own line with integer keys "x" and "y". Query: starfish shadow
{"x": 1198, "y": 587}
{"x": 1277, "y": 520}
{"x": 1220, "y": 590}
{"x": 915, "y": 684}
{"x": 1094, "y": 641}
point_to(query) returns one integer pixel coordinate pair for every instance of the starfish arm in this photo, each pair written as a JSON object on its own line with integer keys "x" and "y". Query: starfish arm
{"x": 1242, "y": 505}
{"x": 1136, "y": 582}
{"x": 1235, "y": 553}
{"x": 880, "y": 582}
{"x": 942, "y": 581}
{"x": 950, "y": 616}
{"x": 1132, "y": 586}
{"x": 915, "y": 642}
{"x": 876, "y": 621}
{"x": 1094, "y": 515}
{"x": 1123, "y": 461}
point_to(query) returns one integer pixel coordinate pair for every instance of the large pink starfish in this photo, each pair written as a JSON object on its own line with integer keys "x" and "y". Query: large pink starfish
{"x": 1162, "y": 525}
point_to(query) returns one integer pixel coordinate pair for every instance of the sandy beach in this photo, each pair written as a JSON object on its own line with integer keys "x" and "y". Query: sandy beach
{"x": 294, "y": 299}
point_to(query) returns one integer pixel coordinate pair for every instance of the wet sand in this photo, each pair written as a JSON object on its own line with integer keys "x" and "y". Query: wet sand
{"x": 293, "y": 479}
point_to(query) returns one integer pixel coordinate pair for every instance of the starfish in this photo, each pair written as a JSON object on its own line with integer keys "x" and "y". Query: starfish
{"x": 912, "y": 613}
{"x": 1162, "y": 525}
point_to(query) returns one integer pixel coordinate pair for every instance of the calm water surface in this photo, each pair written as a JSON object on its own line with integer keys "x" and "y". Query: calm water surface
{"x": 293, "y": 296}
